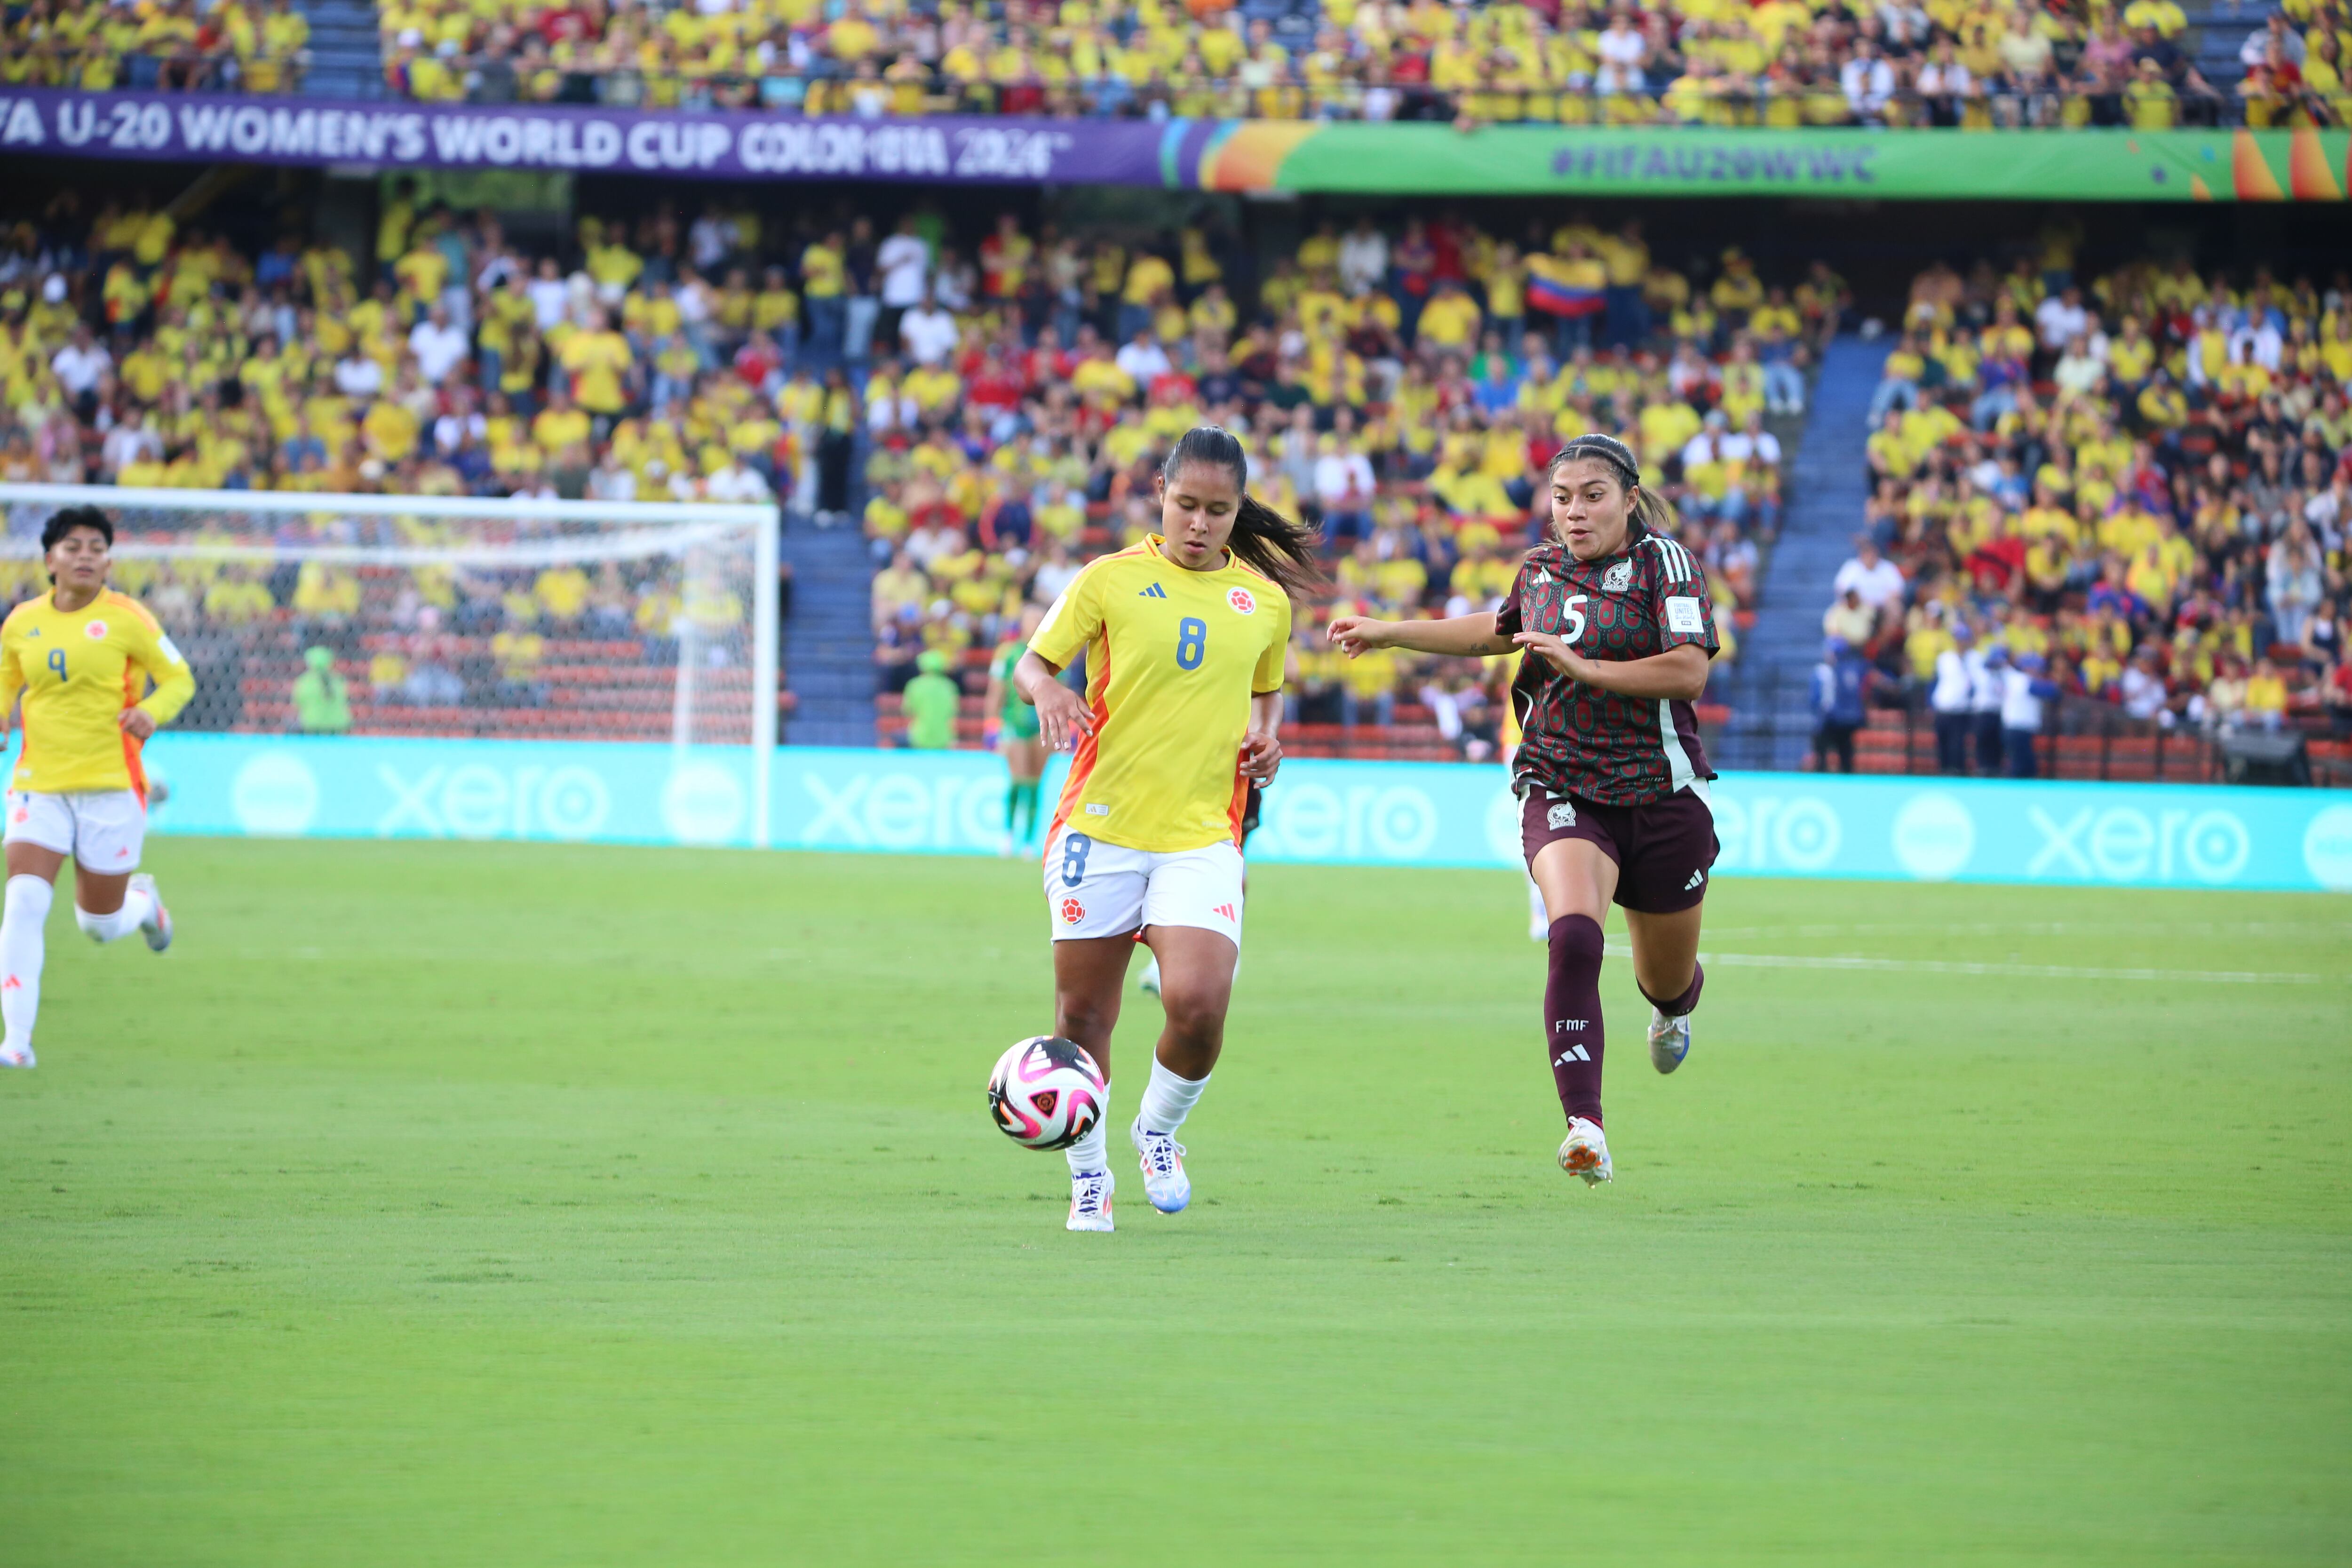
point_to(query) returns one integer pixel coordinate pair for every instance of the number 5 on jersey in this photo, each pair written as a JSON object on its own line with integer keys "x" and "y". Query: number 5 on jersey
{"x": 1191, "y": 642}
{"x": 1571, "y": 618}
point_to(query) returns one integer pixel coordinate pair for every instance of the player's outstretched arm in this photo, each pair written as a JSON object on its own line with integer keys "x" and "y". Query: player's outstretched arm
{"x": 1062, "y": 716}
{"x": 1678, "y": 674}
{"x": 1463, "y": 637}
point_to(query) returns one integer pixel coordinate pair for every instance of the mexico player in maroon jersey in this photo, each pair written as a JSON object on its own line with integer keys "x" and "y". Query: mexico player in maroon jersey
{"x": 1616, "y": 617}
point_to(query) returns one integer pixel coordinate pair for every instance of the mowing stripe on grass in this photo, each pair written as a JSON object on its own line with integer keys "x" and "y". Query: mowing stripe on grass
{"x": 2017, "y": 970}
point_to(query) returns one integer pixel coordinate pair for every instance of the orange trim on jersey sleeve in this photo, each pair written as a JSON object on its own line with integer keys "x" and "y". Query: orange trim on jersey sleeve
{"x": 131, "y": 744}
{"x": 1082, "y": 760}
{"x": 1241, "y": 805}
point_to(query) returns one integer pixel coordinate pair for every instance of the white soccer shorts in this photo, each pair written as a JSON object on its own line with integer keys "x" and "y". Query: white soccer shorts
{"x": 103, "y": 829}
{"x": 1094, "y": 888}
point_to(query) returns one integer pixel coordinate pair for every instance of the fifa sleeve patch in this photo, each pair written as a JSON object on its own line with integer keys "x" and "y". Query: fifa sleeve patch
{"x": 1683, "y": 615}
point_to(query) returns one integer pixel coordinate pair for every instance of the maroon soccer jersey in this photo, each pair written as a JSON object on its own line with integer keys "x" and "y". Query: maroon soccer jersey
{"x": 1618, "y": 750}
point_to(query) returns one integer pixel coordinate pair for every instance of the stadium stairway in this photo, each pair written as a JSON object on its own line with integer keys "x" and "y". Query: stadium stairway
{"x": 346, "y": 61}
{"x": 1771, "y": 718}
{"x": 2217, "y": 30}
{"x": 828, "y": 638}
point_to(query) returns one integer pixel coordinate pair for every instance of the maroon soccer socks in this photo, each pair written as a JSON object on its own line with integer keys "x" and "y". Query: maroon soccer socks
{"x": 1572, "y": 1013}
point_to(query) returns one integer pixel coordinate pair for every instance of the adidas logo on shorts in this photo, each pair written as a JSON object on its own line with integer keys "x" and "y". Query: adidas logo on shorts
{"x": 1697, "y": 878}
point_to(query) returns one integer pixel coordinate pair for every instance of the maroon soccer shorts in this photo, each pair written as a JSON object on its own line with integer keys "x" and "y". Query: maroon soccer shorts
{"x": 1663, "y": 850}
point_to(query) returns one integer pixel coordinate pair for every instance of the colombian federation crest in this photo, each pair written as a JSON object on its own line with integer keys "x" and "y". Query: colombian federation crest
{"x": 1241, "y": 601}
{"x": 1618, "y": 578}
{"x": 94, "y": 630}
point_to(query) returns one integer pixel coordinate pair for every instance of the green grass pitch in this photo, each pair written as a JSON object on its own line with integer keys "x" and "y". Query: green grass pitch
{"x": 452, "y": 1204}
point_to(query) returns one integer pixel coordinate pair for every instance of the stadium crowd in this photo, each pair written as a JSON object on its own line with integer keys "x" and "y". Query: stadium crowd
{"x": 1969, "y": 63}
{"x": 994, "y": 410}
{"x": 194, "y": 46}
{"x": 2119, "y": 499}
{"x": 1397, "y": 388}
{"x": 1784, "y": 63}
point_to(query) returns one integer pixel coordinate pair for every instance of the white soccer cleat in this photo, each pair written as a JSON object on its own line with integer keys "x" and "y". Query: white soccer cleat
{"x": 16, "y": 1056}
{"x": 157, "y": 932}
{"x": 1585, "y": 1151}
{"x": 1164, "y": 1181}
{"x": 1669, "y": 1040}
{"x": 1149, "y": 979}
{"x": 1090, "y": 1201}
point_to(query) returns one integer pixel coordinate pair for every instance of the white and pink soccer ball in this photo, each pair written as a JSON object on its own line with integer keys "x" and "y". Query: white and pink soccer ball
{"x": 1046, "y": 1093}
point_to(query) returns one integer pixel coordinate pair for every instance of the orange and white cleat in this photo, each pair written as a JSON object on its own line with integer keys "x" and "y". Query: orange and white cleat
{"x": 1585, "y": 1151}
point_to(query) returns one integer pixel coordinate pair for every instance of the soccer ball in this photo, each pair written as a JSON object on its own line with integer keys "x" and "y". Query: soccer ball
{"x": 1046, "y": 1093}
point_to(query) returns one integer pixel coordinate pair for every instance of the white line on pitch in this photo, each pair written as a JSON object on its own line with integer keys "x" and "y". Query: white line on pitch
{"x": 2014, "y": 970}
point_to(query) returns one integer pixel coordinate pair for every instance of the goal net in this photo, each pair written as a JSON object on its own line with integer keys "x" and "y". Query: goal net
{"x": 448, "y": 617}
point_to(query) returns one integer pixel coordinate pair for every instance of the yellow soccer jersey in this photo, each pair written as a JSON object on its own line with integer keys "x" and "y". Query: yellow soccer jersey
{"x": 77, "y": 671}
{"x": 1173, "y": 657}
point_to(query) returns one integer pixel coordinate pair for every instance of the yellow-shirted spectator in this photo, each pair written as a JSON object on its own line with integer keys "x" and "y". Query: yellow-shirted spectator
{"x": 560, "y": 424}
{"x": 562, "y": 593}
{"x": 237, "y": 598}
{"x": 322, "y": 592}
{"x": 596, "y": 359}
{"x": 1449, "y": 322}
{"x": 824, "y": 270}
{"x": 2166, "y": 17}
{"x": 391, "y": 428}
{"x": 2150, "y": 102}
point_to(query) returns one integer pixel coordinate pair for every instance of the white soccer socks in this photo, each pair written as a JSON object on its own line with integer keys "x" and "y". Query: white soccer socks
{"x": 1168, "y": 1100}
{"x": 22, "y": 952}
{"x": 1092, "y": 1153}
{"x": 138, "y": 908}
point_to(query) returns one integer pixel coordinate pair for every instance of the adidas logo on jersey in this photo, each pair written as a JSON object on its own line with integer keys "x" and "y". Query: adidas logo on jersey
{"x": 1154, "y": 592}
{"x": 1697, "y": 878}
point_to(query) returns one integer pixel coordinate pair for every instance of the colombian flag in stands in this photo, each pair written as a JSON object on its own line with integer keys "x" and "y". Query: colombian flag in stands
{"x": 1560, "y": 287}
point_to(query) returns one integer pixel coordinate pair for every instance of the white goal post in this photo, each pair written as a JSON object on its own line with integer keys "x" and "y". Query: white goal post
{"x": 450, "y": 617}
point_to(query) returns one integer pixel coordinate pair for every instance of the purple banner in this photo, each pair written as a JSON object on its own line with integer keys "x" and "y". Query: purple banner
{"x": 183, "y": 127}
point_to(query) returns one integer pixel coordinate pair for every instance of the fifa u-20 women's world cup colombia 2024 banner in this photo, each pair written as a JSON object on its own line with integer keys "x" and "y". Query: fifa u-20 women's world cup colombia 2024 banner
{"x": 180, "y": 127}
{"x": 1191, "y": 155}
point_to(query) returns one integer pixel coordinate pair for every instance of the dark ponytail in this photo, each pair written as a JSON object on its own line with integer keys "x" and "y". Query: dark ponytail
{"x": 1649, "y": 512}
{"x": 1262, "y": 538}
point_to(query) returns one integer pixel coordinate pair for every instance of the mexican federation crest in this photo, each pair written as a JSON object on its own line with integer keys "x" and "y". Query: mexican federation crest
{"x": 1561, "y": 814}
{"x": 1618, "y": 578}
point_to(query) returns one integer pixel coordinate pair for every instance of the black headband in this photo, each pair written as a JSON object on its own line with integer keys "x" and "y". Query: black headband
{"x": 1618, "y": 455}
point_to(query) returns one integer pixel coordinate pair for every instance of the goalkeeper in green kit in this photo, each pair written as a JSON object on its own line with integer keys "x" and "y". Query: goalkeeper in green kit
{"x": 1012, "y": 729}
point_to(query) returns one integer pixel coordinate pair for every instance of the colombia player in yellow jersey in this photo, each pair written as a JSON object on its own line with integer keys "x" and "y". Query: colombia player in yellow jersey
{"x": 83, "y": 657}
{"x": 1185, "y": 636}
